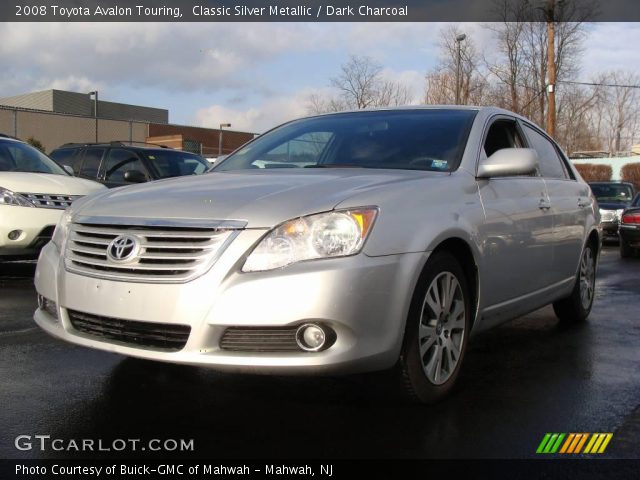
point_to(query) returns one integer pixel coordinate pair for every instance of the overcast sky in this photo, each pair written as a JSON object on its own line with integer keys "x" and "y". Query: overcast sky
{"x": 254, "y": 75}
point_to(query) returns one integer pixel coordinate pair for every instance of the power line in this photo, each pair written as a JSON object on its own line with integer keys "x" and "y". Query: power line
{"x": 614, "y": 85}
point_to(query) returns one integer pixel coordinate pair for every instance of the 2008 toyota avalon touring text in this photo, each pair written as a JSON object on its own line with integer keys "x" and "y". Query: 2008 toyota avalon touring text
{"x": 339, "y": 243}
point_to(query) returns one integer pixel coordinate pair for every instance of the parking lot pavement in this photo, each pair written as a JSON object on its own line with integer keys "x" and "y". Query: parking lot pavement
{"x": 520, "y": 381}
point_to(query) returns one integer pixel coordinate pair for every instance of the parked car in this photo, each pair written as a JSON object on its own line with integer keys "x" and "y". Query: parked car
{"x": 629, "y": 230}
{"x": 613, "y": 198}
{"x": 118, "y": 163}
{"x": 34, "y": 191}
{"x": 339, "y": 243}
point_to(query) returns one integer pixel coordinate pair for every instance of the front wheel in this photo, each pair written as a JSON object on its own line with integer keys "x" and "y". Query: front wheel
{"x": 437, "y": 330}
{"x": 576, "y": 307}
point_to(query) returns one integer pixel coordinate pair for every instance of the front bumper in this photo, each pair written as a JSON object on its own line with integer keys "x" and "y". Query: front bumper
{"x": 364, "y": 299}
{"x": 36, "y": 224}
{"x": 610, "y": 229}
{"x": 630, "y": 234}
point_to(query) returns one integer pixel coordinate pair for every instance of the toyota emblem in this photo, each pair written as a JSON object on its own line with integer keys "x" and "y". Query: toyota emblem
{"x": 123, "y": 248}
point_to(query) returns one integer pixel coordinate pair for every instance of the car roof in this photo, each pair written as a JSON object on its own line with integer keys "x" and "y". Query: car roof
{"x": 613, "y": 182}
{"x": 486, "y": 111}
{"x": 475, "y": 108}
{"x": 139, "y": 145}
{"x": 151, "y": 147}
{"x": 9, "y": 138}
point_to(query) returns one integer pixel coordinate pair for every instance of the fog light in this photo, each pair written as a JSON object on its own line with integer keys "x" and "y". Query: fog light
{"x": 14, "y": 234}
{"x": 312, "y": 338}
{"x": 48, "y": 306}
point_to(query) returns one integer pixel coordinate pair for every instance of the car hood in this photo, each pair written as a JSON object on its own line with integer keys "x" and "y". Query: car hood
{"x": 263, "y": 199}
{"x": 25, "y": 182}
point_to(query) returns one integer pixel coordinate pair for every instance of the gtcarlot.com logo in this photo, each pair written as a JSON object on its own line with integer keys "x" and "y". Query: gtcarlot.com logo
{"x": 574, "y": 443}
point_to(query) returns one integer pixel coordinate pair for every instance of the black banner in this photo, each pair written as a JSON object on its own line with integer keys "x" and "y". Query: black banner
{"x": 318, "y": 469}
{"x": 314, "y": 10}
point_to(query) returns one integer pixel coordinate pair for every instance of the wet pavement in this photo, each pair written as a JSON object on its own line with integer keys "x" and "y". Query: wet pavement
{"x": 519, "y": 381}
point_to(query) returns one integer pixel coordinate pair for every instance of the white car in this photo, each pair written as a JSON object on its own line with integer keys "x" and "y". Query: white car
{"x": 34, "y": 191}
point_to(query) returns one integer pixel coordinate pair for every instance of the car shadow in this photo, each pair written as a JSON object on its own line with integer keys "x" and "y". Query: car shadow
{"x": 255, "y": 416}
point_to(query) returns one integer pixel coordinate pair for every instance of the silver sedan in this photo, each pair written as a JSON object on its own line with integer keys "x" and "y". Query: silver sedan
{"x": 338, "y": 243}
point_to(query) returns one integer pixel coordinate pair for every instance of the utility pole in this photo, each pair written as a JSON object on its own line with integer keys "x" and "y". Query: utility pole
{"x": 95, "y": 109}
{"x": 222, "y": 125}
{"x": 459, "y": 39}
{"x": 551, "y": 69}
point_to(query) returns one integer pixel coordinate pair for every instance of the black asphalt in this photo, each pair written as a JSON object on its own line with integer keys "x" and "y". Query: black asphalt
{"x": 521, "y": 380}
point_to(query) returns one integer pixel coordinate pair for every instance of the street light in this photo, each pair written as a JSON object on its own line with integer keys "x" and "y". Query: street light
{"x": 222, "y": 125}
{"x": 459, "y": 39}
{"x": 95, "y": 109}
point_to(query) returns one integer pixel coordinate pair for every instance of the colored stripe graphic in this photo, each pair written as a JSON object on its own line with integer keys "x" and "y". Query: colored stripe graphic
{"x": 543, "y": 443}
{"x": 574, "y": 443}
{"x": 605, "y": 443}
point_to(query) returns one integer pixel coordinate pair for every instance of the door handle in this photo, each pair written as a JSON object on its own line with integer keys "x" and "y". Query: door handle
{"x": 544, "y": 204}
{"x": 584, "y": 203}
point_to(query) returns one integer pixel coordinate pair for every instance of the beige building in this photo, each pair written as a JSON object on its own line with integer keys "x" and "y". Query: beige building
{"x": 56, "y": 117}
{"x": 84, "y": 104}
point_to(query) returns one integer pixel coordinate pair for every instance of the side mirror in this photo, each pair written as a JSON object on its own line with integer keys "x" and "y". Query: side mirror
{"x": 509, "y": 162}
{"x": 134, "y": 176}
{"x": 68, "y": 169}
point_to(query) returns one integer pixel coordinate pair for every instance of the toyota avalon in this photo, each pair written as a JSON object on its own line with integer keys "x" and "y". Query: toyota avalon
{"x": 339, "y": 243}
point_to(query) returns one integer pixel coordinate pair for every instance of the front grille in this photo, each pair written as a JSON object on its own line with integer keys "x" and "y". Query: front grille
{"x": 166, "y": 254}
{"x": 46, "y": 200}
{"x": 156, "y": 336}
{"x": 258, "y": 339}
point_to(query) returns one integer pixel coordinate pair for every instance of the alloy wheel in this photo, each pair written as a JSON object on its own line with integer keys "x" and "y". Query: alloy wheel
{"x": 587, "y": 277}
{"x": 442, "y": 328}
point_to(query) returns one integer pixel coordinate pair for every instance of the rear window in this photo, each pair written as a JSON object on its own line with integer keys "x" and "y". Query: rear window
{"x": 66, "y": 156}
{"x": 174, "y": 163}
{"x": 612, "y": 192}
{"x": 399, "y": 139}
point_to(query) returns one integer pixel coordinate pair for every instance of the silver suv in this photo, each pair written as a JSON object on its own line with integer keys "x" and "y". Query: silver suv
{"x": 333, "y": 244}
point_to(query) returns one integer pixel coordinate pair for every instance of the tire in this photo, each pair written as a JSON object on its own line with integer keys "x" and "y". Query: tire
{"x": 625, "y": 250}
{"x": 577, "y": 306}
{"x": 434, "y": 337}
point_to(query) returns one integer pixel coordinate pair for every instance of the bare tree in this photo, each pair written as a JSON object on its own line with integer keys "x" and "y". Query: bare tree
{"x": 621, "y": 110}
{"x": 577, "y": 123}
{"x": 361, "y": 84}
{"x": 520, "y": 57}
{"x": 440, "y": 87}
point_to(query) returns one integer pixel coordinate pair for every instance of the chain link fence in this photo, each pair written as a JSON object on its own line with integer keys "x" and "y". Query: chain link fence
{"x": 53, "y": 129}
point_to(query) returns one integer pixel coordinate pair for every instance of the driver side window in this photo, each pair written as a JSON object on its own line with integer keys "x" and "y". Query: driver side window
{"x": 502, "y": 134}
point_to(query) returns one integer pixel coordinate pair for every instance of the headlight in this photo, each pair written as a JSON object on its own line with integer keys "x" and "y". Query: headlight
{"x": 62, "y": 230}
{"x": 325, "y": 235}
{"x": 619, "y": 213}
{"x": 607, "y": 215}
{"x": 7, "y": 197}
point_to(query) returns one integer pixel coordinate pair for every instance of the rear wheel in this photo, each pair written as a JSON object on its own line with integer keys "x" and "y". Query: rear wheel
{"x": 625, "y": 250}
{"x": 437, "y": 330}
{"x": 577, "y": 306}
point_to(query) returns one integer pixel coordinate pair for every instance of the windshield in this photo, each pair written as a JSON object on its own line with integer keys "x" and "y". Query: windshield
{"x": 612, "y": 192}
{"x": 400, "y": 139}
{"x": 174, "y": 163}
{"x": 20, "y": 157}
